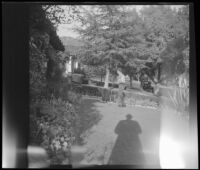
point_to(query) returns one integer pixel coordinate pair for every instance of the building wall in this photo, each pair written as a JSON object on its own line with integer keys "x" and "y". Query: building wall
{"x": 71, "y": 65}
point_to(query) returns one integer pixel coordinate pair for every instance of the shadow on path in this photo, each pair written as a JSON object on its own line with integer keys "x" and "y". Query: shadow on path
{"x": 128, "y": 148}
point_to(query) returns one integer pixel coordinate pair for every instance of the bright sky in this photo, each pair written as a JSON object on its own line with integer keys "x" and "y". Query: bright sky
{"x": 66, "y": 29}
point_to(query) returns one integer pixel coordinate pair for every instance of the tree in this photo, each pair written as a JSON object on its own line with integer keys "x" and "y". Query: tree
{"x": 110, "y": 36}
{"x": 167, "y": 32}
{"x": 40, "y": 22}
{"x": 115, "y": 37}
{"x": 56, "y": 14}
{"x": 176, "y": 53}
{"x": 92, "y": 71}
{"x": 45, "y": 61}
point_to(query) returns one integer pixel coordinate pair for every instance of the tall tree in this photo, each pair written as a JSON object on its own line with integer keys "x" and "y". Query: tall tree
{"x": 44, "y": 45}
{"x": 167, "y": 30}
{"x": 111, "y": 37}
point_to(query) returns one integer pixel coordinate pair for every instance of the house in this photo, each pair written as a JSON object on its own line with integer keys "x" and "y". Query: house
{"x": 71, "y": 65}
{"x": 72, "y": 46}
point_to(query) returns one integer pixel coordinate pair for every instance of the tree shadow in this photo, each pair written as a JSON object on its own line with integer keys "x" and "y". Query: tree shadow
{"x": 128, "y": 148}
{"x": 88, "y": 116}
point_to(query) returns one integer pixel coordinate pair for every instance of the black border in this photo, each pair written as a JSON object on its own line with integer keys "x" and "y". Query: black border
{"x": 16, "y": 76}
{"x": 16, "y": 69}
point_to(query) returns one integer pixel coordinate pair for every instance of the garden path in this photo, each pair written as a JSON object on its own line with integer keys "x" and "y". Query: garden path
{"x": 100, "y": 121}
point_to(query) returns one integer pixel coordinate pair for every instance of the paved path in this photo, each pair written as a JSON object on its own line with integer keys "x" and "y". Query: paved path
{"x": 99, "y": 137}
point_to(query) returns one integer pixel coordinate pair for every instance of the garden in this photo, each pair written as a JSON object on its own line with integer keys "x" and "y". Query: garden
{"x": 154, "y": 42}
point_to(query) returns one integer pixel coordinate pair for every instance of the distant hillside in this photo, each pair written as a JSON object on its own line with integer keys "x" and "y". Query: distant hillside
{"x": 70, "y": 41}
{"x": 71, "y": 44}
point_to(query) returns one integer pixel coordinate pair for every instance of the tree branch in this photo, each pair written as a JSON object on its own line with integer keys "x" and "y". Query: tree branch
{"x": 48, "y": 6}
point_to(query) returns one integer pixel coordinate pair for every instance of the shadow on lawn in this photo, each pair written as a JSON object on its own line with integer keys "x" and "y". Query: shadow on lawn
{"x": 88, "y": 115}
{"x": 128, "y": 148}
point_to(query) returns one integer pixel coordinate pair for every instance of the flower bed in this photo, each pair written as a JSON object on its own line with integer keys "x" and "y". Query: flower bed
{"x": 52, "y": 126}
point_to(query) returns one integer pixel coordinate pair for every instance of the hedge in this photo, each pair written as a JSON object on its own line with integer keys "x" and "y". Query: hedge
{"x": 108, "y": 94}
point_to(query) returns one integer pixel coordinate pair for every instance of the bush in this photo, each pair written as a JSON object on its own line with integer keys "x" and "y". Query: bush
{"x": 77, "y": 78}
{"x": 88, "y": 90}
{"x": 98, "y": 83}
{"x": 54, "y": 128}
{"x": 79, "y": 71}
{"x": 101, "y": 84}
{"x": 74, "y": 97}
{"x": 180, "y": 100}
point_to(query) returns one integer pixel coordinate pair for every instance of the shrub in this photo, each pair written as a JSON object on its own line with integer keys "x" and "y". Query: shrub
{"x": 79, "y": 71}
{"x": 180, "y": 100}
{"x": 89, "y": 90}
{"x": 74, "y": 97}
{"x": 54, "y": 129}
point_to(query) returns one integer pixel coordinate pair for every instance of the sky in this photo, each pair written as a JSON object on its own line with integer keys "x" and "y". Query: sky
{"x": 67, "y": 29}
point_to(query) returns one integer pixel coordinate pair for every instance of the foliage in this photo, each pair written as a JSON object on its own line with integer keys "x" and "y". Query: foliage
{"x": 38, "y": 62}
{"x": 56, "y": 14}
{"x": 55, "y": 125}
{"x": 89, "y": 90}
{"x": 95, "y": 71}
{"x": 42, "y": 68}
{"x": 112, "y": 38}
{"x": 119, "y": 38}
{"x": 54, "y": 71}
{"x": 168, "y": 34}
{"x": 176, "y": 57}
{"x": 79, "y": 71}
{"x": 74, "y": 98}
{"x": 43, "y": 44}
{"x": 53, "y": 118}
{"x": 180, "y": 99}
{"x": 39, "y": 21}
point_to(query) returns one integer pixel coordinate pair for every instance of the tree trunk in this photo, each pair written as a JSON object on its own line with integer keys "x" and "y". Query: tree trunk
{"x": 107, "y": 77}
{"x": 151, "y": 77}
{"x": 138, "y": 77}
{"x": 159, "y": 72}
{"x": 156, "y": 75}
{"x": 131, "y": 79}
{"x": 72, "y": 65}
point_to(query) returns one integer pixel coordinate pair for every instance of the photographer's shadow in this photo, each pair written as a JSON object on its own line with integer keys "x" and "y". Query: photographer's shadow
{"x": 128, "y": 148}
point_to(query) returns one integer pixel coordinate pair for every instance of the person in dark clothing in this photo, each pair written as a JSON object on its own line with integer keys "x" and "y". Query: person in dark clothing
{"x": 128, "y": 148}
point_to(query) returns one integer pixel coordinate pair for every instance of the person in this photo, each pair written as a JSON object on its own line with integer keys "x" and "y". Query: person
{"x": 121, "y": 97}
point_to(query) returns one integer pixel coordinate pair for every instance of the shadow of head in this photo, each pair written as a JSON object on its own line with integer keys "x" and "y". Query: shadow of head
{"x": 128, "y": 116}
{"x": 128, "y": 127}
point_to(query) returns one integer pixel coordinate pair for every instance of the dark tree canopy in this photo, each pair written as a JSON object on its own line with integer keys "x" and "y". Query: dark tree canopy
{"x": 40, "y": 22}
